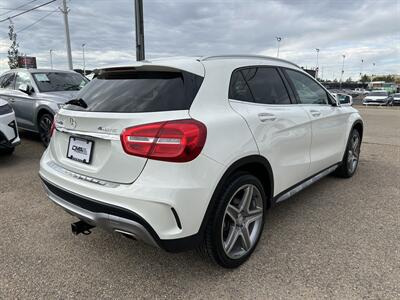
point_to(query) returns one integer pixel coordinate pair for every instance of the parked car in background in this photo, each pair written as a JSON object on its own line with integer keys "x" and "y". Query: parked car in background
{"x": 349, "y": 92}
{"x": 396, "y": 99}
{"x": 9, "y": 137}
{"x": 361, "y": 91}
{"x": 36, "y": 95}
{"x": 189, "y": 153}
{"x": 378, "y": 97}
{"x": 343, "y": 98}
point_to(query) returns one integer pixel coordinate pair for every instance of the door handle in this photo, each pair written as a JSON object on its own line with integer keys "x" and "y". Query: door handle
{"x": 11, "y": 100}
{"x": 315, "y": 113}
{"x": 266, "y": 117}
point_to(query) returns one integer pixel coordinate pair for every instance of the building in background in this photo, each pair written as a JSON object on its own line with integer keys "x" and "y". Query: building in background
{"x": 311, "y": 72}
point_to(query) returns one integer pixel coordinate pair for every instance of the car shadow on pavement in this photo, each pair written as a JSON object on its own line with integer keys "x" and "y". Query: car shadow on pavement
{"x": 30, "y": 148}
{"x": 135, "y": 254}
{"x": 28, "y": 135}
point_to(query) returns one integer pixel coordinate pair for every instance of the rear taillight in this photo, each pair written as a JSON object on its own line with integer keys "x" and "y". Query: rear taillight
{"x": 176, "y": 141}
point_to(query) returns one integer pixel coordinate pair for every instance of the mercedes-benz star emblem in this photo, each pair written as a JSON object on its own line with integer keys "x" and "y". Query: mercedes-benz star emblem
{"x": 72, "y": 122}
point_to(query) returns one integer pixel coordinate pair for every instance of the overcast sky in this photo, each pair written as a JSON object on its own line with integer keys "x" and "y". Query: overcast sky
{"x": 359, "y": 29}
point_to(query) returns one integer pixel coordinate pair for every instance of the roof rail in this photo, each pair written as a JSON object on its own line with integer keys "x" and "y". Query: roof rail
{"x": 251, "y": 56}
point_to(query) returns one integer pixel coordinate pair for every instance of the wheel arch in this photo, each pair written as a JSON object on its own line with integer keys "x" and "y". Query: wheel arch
{"x": 40, "y": 112}
{"x": 359, "y": 126}
{"x": 256, "y": 165}
{"x": 259, "y": 167}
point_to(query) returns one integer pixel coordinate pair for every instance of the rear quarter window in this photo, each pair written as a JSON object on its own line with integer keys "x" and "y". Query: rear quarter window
{"x": 7, "y": 81}
{"x": 140, "y": 91}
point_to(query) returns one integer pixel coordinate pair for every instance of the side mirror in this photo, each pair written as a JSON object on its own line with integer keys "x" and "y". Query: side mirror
{"x": 25, "y": 88}
{"x": 346, "y": 100}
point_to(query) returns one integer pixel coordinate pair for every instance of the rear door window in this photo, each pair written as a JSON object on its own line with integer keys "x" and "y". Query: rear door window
{"x": 308, "y": 91}
{"x": 260, "y": 85}
{"x": 140, "y": 91}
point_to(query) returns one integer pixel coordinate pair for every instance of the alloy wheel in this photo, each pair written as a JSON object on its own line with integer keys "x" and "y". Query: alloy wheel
{"x": 242, "y": 221}
{"x": 353, "y": 153}
{"x": 44, "y": 129}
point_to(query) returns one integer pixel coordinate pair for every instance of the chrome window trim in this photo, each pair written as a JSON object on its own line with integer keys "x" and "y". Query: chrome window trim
{"x": 104, "y": 136}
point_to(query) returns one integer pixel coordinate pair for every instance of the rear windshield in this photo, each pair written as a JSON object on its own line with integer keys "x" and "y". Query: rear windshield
{"x": 59, "y": 81}
{"x": 139, "y": 91}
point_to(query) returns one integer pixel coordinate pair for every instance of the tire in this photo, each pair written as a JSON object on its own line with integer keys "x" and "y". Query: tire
{"x": 7, "y": 151}
{"x": 234, "y": 228}
{"x": 349, "y": 164}
{"x": 44, "y": 125}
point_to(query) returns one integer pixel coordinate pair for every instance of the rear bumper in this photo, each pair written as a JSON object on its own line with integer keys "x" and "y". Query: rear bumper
{"x": 8, "y": 131}
{"x": 98, "y": 214}
{"x": 115, "y": 219}
{"x": 165, "y": 206}
{"x": 5, "y": 143}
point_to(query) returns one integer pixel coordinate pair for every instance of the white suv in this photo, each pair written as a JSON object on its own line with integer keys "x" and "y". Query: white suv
{"x": 8, "y": 129}
{"x": 190, "y": 152}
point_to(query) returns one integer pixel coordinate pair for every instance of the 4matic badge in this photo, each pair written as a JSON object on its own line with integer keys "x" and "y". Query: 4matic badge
{"x": 107, "y": 130}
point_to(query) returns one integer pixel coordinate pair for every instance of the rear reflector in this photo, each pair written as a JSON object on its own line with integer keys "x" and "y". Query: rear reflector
{"x": 52, "y": 128}
{"x": 176, "y": 141}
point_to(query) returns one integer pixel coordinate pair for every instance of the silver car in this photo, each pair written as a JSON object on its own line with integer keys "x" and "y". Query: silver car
{"x": 396, "y": 99}
{"x": 36, "y": 95}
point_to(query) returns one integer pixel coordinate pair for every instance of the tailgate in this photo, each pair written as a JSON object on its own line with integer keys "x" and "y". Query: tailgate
{"x": 97, "y": 135}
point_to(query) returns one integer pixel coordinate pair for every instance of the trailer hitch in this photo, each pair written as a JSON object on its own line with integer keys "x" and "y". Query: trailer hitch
{"x": 81, "y": 227}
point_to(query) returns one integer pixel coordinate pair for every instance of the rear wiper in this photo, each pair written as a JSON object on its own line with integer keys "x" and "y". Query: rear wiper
{"x": 78, "y": 102}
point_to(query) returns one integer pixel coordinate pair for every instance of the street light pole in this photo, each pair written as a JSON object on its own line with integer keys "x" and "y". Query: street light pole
{"x": 341, "y": 75}
{"x": 139, "y": 28}
{"x": 83, "y": 56}
{"x": 51, "y": 58}
{"x": 317, "y": 66}
{"x": 361, "y": 71}
{"x": 372, "y": 74}
{"x": 278, "y": 39}
{"x": 65, "y": 11}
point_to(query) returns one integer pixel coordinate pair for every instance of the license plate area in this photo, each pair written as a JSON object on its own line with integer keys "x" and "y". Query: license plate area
{"x": 80, "y": 149}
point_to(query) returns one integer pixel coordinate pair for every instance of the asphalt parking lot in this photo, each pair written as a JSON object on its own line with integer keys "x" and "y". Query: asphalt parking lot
{"x": 337, "y": 239}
